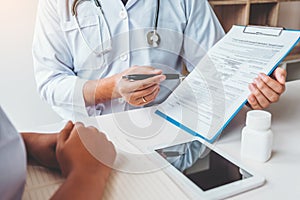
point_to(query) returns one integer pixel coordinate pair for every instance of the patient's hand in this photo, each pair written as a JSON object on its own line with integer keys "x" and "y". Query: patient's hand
{"x": 41, "y": 148}
{"x": 84, "y": 151}
{"x": 85, "y": 157}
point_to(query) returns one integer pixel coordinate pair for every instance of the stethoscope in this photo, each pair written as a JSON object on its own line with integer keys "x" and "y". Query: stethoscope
{"x": 153, "y": 38}
{"x": 74, "y": 13}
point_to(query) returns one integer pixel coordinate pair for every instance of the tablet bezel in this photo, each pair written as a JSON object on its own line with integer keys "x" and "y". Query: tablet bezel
{"x": 195, "y": 192}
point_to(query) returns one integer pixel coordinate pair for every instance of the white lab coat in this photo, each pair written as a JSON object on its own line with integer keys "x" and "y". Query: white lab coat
{"x": 12, "y": 160}
{"x": 63, "y": 62}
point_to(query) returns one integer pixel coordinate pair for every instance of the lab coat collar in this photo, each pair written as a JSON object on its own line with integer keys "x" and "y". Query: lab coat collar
{"x": 130, "y": 3}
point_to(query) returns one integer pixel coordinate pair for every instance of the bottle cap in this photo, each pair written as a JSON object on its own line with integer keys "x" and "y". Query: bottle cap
{"x": 258, "y": 119}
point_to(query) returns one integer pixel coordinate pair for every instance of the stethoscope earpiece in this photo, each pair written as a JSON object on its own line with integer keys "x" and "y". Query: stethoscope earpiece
{"x": 153, "y": 38}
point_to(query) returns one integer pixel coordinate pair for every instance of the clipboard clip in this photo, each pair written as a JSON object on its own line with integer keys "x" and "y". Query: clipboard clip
{"x": 263, "y": 30}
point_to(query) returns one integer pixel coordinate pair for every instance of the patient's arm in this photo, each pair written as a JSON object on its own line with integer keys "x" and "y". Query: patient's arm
{"x": 41, "y": 148}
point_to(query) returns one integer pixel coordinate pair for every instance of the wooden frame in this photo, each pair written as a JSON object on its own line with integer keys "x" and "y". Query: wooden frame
{"x": 250, "y": 12}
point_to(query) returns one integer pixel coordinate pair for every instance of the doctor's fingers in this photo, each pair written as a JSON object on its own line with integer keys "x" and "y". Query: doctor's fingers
{"x": 127, "y": 87}
{"x": 260, "y": 98}
{"x": 280, "y": 75}
{"x": 146, "y": 83}
{"x": 143, "y": 100}
{"x": 253, "y": 102}
{"x": 136, "y": 96}
{"x": 275, "y": 85}
{"x": 151, "y": 97}
{"x": 267, "y": 91}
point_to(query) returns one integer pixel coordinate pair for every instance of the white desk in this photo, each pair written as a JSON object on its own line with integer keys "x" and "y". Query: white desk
{"x": 281, "y": 171}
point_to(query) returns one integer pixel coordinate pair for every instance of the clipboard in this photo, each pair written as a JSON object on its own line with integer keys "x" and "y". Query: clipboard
{"x": 272, "y": 42}
{"x": 263, "y": 30}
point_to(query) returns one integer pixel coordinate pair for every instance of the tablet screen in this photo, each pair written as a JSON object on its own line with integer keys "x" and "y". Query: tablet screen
{"x": 206, "y": 168}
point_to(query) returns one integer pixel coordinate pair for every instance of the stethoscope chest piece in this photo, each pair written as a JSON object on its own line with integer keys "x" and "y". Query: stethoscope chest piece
{"x": 153, "y": 38}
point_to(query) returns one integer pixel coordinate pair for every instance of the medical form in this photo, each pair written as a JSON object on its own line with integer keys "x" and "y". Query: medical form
{"x": 213, "y": 93}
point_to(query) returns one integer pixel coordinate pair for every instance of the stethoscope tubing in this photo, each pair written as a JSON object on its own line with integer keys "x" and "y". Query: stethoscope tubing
{"x": 156, "y": 15}
{"x": 98, "y": 4}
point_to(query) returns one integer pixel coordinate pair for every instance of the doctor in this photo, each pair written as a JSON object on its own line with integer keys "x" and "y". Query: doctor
{"x": 85, "y": 176}
{"x": 82, "y": 49}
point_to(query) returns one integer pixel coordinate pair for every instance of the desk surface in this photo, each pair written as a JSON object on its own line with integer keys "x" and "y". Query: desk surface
{"x": 283, "y": 180}
{"x": 281, "y": 171}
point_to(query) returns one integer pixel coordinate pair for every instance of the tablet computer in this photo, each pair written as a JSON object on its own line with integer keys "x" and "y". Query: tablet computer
{"x": 203, "y": 173}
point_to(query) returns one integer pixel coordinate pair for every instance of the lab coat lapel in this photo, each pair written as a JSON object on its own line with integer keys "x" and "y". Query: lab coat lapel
{"x": 130, "y": 3}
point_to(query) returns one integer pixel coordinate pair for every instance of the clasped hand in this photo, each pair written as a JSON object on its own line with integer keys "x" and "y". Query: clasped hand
{"x": 75, "y": 149}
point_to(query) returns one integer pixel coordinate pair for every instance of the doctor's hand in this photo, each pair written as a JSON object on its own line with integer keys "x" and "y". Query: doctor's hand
{"x": 266, "y": 90}
{"x": 140, "y": 92}
{"x": 41, "y": 148}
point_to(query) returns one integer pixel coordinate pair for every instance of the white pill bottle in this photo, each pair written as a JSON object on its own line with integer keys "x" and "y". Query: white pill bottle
{"x": 257, "y": 136}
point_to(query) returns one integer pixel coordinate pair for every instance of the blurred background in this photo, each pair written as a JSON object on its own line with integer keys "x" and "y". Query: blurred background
{"x": 19, "y": 97}
{"x": 18, "y": 94}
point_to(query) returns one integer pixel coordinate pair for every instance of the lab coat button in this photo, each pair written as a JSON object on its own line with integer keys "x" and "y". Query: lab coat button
{"x": 123, "y": 57}
{"x": 123, "y": 15}
{"x": 121, "y": 100}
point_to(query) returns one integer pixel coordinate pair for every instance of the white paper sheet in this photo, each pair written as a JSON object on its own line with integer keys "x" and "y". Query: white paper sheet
{"x": 218, "y": 87}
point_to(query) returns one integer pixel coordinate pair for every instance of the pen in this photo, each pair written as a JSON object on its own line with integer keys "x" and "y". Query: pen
{"x": 136, "y": 77}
